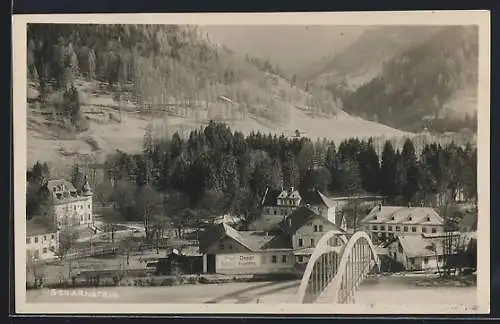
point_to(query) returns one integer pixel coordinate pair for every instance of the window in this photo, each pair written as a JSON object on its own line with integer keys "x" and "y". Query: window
{"x": 88, "y": 206}
{"x": 374, "y": 227}
{"x": 221, "y": 246}
{"x": 424, "y": 230}
{"x": 389, "y": 228}
{"x": 382, "y": 227}
{"x": 45, "y": 238}
{"x": 74, "y": 207}
{"x": 283, "y": 259}
{"x": 28, "y": 240}
{"x": 320, "y": 228}
{"x": 36, "y": 239}
{"x": 312, "y": 242}
{"x": 44, "y": 250}
{"x": 433, "y": 230}
{"x": 440, "y": 258}
{"x": 52, "y": 248}
{"x": 410, "y": 218}
{"x": 275, "y": 212}
{"x": 52, "y": 236}
{"x": 426, "y": 260}
{"x": 392, "y": 217}
{"x": 398, "y": 228}
{"x": 428, "y": 219}
{"x": 301, "y": 242}
{"x": 300, "y": 258}
{"x": 315, "y": 228}
{"x": 274, "y": 259}
{"x": 414, "y": 229}
{"x": 230, "y": 247}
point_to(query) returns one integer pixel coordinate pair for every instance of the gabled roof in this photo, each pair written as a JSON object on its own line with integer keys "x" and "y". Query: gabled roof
{"x": 403, "y": 215}
{"x": 35, "y": 226}
{"x": 299, "y": 218}
{"x": 316, "y": 198}
{"x": 60, "y": 185}
{"x": 270, "y": 197}
{"x": 421, "y": 246}
{"x": 252, "y": 240}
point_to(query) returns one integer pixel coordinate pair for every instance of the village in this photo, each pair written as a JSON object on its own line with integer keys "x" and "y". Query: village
{"x": 275, "y": 246}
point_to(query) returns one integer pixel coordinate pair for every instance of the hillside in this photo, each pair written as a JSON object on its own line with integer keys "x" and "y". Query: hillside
{"x": 429, "y": 85}
{"x": 363, "y": 59}
{"x": 128, "y": 77}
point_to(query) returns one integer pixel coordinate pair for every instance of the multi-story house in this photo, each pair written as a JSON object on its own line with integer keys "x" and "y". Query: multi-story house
{"x": 276, "y": 205}
{"x": 383, "y": 223}
{"x": 71, "y": 207}
{"x": 305, "y": 227}
{"x": 42, "y": 240}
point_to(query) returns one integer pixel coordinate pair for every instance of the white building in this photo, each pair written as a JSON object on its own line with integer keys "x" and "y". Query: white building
{"x": 71, "y": 207}
{"x": 384, "y": 223}
{"x": 276, "y": 206}
{"x": 305, "y": 227}
{"x": 42, "y": 241}
{"x": 426, "y": 251}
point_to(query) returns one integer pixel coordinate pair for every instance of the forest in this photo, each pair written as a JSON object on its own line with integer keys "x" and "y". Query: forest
{"x": 151, "y": 64}
{"x": 217, "y": 171}
{"x": 413, "y": 87}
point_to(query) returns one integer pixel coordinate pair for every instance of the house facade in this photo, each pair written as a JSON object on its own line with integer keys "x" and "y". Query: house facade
{"x": 228, "y": 251}
{"x": 384, "y": 223}
{"x": 305, "y": 227}
{"x": 430, "y": 251}
{"x": 42, "y": 241}
{"x": 71, "y": 207}
{"x": 276, "y": 205}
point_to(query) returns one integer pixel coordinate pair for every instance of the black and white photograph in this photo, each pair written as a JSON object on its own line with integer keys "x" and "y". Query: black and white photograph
{"x": 268, "y": 164}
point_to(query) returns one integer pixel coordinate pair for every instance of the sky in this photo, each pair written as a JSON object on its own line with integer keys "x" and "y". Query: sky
{"x": 293, "y": 47}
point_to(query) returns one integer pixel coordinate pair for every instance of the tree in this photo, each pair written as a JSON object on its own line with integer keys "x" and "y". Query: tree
{"x": 349, "y": 181}
{"x": 111, "y": 217}
{"x": 104, "y": 192}
{"x": 291, "y": 175}
{"x": 413, "y": 176}
{"x": 77, "y": 177}
{"x": 388, "y": 185}
{"x": 36, "y": 270}
{"x": 68, "y": 239}
{"x": 175, "y": 206}
{"x": 148, "y": 203}
{"x": 92, "y": 64}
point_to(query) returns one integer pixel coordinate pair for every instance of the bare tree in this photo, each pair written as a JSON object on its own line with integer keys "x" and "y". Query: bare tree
{"x": 36, "y": 270}
{"x": 68, "y": 239}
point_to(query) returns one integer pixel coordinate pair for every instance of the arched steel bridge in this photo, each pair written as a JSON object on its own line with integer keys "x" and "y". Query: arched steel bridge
{"x": 334, "y": 273}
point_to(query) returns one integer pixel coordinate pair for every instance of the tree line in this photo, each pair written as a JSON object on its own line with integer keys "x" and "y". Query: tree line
{"x": 187, "y": 181}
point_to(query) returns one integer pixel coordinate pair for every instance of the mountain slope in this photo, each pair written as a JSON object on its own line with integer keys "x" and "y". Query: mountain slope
{"x": 414, "y": 86}
{"x": 128, "y": 77}
{"x": 364, "y": 58}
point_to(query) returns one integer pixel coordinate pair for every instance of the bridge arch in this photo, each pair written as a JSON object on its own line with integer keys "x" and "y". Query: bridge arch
{"x": 328, "y": 279}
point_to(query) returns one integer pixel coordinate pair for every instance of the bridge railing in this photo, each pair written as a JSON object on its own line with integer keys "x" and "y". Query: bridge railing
{"x": 333, "y": 272}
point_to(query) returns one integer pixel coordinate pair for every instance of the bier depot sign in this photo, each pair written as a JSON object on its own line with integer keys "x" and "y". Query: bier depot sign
{"x": 237, "y": 261}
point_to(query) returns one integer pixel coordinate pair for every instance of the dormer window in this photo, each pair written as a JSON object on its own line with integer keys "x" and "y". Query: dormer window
{"x": 392, "y": 217}
{"x": 410, "y": 218}
{"x": 428, "y": 218}
{"x": 375, "y": 217}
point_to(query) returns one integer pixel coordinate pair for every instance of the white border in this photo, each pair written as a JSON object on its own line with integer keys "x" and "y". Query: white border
{"x": 480, "y": 18}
